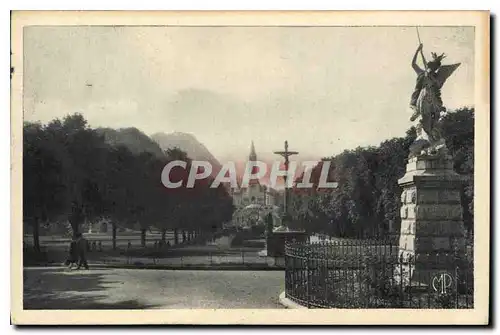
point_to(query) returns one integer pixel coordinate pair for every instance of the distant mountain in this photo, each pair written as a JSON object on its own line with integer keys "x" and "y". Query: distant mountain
{"x": 132, "y": 138}
{"x": 190, "y": 145}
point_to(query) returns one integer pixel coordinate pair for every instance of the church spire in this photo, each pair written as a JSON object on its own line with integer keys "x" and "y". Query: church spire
{"x": 252, "y": 158}
{"x": 253, "y": 155}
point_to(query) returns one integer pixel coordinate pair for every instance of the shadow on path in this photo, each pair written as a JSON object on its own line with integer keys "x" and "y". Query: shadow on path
{"x": 59, "y": 288}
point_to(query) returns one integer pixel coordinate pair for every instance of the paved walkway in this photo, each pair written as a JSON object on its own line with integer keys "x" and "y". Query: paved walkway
{"x": 59, "y": 288}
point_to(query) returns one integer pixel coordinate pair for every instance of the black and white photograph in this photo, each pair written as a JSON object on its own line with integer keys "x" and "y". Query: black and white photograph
{"x": 315, "y": 164}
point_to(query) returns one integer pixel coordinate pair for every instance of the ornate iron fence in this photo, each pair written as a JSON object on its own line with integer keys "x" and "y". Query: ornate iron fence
{"x": 364, "y": 273}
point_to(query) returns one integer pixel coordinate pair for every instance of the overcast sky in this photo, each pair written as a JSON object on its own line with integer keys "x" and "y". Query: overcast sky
{"x": 324, "y": 89}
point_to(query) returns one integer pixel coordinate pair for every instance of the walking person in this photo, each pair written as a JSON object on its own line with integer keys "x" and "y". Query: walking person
{"x": 82, "y": 246}
{"x": 73, "y": 254}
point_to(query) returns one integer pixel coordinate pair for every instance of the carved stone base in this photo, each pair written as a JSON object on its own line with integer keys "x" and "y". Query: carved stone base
{"x": 432, "y": 239}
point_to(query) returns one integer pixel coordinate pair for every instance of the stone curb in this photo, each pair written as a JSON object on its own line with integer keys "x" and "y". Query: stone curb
{"x": 187, "y": 267}
{"x": 165, "y": 267}
{"x": 289, "y": 303}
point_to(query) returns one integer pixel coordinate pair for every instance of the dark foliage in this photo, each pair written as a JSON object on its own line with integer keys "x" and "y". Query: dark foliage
{"x": 72, "y": 173}
{"x": 367, "y": 201}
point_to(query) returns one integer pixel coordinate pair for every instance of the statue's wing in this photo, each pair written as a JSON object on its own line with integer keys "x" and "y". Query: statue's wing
{"x": 445, "y": 71}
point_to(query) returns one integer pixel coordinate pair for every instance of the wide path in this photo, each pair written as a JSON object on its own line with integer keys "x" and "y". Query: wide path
{"x": 59, "y": 288}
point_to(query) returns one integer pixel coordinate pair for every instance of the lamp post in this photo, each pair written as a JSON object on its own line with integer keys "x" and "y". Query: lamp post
{"x": 286, "y": 153}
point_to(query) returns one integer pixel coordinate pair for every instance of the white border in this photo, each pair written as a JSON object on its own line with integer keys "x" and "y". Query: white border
{"x": 256, "y": 4}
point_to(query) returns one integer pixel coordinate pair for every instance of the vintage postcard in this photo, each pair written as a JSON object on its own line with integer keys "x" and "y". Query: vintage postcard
{"x": 250, "y": 168}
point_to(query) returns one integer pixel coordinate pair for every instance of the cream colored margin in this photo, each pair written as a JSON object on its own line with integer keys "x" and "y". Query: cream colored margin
{"x": 479, "y": 315}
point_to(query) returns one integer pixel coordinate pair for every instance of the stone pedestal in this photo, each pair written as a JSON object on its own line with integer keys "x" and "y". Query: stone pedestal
{"x": 432, "y": 240}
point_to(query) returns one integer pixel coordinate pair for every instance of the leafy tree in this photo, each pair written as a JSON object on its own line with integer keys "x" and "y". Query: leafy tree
{"x": 83, "y": 153}
{"x": 71, "y": 171}
{"x": 44, "y": 189}
{"x": 367, "y": 201}
{"x": 458, "y": 129}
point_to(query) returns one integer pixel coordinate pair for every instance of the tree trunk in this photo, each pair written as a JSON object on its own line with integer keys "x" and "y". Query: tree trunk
{"x": 75, "y": 219}
{"x": 36, "y": 235}
{"x": 114, "y": 228}
{"x": 143, "y": 237}
{"x": 176, "y": 236}
{"x": 164, "y": 236}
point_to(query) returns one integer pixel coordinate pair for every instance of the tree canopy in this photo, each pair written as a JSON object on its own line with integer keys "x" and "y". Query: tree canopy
{"x": 70, "y": 172}
{"x": 367, "y": 201}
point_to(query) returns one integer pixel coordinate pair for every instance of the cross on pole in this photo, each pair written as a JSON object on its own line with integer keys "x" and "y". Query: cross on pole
{"x": 286, "y": 154}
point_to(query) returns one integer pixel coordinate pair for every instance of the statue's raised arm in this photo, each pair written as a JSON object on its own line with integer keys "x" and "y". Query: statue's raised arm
{"x": 414, "y": 64}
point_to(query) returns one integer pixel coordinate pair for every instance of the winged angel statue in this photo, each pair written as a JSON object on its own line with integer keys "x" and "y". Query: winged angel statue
{"x": 427, "y": 104}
